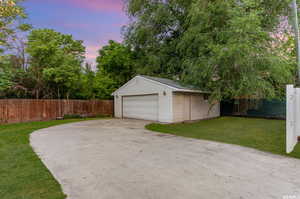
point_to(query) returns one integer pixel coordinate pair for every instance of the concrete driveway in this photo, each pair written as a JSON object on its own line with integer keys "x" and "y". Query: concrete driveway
{"x": 119, "y": 159}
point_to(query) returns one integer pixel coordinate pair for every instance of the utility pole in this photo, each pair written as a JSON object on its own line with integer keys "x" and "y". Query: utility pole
{"x": 297, "y": 39}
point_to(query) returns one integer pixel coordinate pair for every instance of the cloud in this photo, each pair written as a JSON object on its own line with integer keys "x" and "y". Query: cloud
{"x": 92, "y": 51}
{"x": 99, "y": 5}
{"x": 92, "y": 47}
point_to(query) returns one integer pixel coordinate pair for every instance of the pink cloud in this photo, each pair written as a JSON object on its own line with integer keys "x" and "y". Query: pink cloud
{"x": 92, "y": 51}
{"x": 98, "y": 5}
{"x": 91, "y": 54}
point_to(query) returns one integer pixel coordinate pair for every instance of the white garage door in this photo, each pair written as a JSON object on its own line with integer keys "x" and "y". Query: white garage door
{"x": 141, "y": 107}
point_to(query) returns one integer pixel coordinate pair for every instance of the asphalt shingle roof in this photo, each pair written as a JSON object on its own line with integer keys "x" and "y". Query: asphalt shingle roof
{"x": 169, "y": 82}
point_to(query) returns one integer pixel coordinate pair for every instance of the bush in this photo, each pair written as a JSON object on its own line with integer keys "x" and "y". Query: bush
{"x": 72, "y": 116}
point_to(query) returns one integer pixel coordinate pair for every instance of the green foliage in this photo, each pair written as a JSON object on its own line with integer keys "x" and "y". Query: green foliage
{"x": 116, "y": 61}
{"x": 104, "y": 86}
{"x": 67, "y": 116}
{"x": 230, "y": 48}
{"x": 87, "y": 81}
{"x": 225, "y": 47}
{"x": 5, "y": 78}
{"x": 49, "y": 48}
{"x": 10, "y": 14}
{"x": 56, "y": 70}
{"x": 55, "y": 61}
{"x": 48, "y": 64}
{"x": 115, "y": 65}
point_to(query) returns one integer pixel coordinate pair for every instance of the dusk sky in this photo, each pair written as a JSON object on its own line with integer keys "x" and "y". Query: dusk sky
{"x": 93, "y": 21}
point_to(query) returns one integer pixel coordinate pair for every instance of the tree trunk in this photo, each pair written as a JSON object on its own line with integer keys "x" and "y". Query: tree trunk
{"x": 37, "y": 94}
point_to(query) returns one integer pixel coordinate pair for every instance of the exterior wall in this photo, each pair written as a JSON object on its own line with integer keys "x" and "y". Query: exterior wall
{"x": 181, "y": 107}
{"x": 201, "y": 108}
{"x": 165, "y": 106}
{"x": 118, "y": 106}
{"x": 188, "y": 107}
{"x": 142, "y": 86}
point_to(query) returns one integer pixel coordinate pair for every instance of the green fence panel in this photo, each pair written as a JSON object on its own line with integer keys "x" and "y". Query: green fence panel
{"x": 254, "y": 108}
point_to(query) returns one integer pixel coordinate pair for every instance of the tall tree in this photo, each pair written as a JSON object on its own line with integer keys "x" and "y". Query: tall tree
{"x": 116, "y": 61}
{"x": 104, "y": 86}
{"x": 13, "y": 61}
{"x": 115, "y": 67}
{"x": 87, "y": 82}
{"x": 55, "y": 62}
{"x": 6, "y": 77}
{"x": 225, "y": 47}
{"x": 10, "y": 13}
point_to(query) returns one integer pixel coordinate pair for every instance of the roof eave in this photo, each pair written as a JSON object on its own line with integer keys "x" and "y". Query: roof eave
{"x": 174, "y": 89}
{"x": 190, "y": 91}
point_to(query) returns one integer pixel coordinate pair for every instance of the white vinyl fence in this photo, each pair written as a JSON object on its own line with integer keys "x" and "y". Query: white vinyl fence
{"x": 292, "y": 117}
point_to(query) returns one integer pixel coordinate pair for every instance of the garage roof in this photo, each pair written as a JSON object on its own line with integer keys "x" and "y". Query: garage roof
{"x": 176, "y": 86}
{"x": 168, "y": 82}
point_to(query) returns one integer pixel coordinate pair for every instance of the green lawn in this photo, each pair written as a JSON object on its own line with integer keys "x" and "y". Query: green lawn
{"x": 22, "y": 174}
{"x": 261, "y": 134}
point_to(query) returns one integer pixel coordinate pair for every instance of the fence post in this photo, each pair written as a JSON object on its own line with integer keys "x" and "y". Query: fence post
{"x": 297, "y": 114}
{"x": 291, "y": 118}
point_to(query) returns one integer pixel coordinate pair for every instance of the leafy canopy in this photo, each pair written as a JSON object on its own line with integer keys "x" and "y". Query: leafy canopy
{"x": 55, "y": 61}
{"x": 225, "y": 47}
{"x": 116, "y": 61}
{"x": 115, "y": 65}
{"x": 5, "y": 76}
{"x": 10, "y": 14}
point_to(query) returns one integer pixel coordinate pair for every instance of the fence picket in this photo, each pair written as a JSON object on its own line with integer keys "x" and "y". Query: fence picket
{"x": 24, "y": 110}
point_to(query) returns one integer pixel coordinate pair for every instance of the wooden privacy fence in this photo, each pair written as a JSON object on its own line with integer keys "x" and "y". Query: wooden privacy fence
{"x": 26, "y": 110}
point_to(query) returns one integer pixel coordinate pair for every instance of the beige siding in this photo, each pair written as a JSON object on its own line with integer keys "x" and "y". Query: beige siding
{"x": 202, "y": 109}
{"x": 181, "y": 107}
{"x": 214, "y": 111}
{"x": 187, "y": 107}
{"x": 178, "y": 107}
{"x": 192, "y": 107}
{"x": 198, "y": 107}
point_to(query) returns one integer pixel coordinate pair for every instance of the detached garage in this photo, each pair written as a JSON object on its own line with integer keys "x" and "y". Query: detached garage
{"x": 162, "y": 100}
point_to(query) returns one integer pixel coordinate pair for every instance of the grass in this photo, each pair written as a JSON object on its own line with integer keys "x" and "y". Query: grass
{"x": 262, "y": 134}
{"x": 22, "y": 174}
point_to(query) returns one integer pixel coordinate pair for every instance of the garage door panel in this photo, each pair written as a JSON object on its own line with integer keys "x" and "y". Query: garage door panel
{"x": 141, "y": 107}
